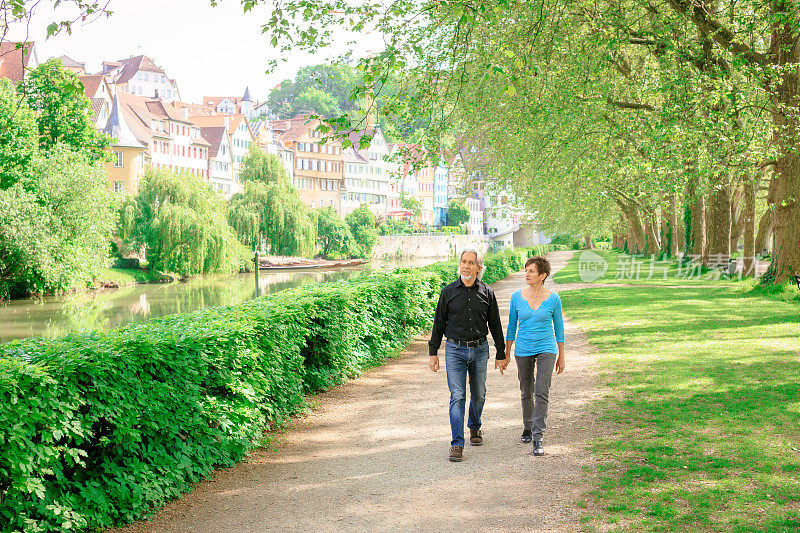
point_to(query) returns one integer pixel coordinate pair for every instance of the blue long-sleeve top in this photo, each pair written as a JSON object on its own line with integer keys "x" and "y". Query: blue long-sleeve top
{"x": 535, "y": 331}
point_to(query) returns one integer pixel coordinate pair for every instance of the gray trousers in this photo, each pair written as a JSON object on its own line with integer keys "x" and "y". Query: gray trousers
{"x": 534, "y": 414}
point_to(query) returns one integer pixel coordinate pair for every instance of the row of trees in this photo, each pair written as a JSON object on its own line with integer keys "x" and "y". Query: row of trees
{"x": 671, "y": 124}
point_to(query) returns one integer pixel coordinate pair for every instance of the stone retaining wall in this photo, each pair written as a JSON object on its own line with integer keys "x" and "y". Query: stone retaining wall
{"x": 397, "y": 246}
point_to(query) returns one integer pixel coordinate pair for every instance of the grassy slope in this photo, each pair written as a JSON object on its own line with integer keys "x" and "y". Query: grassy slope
{"x": 703, "y": 404}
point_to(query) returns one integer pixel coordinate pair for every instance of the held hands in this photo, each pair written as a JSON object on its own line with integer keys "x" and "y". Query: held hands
{"x": 502, "y": 364}
{"x": 434, "y": 363}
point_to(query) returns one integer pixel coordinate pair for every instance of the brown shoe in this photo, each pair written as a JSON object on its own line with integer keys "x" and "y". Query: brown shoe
{"x": 456, "y": 453}
{"x": 475, "y": 437}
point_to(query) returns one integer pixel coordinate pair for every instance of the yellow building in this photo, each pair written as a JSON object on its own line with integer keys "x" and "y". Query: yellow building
{"x": 318, "y": 168}
{"x": 127, "y": 166}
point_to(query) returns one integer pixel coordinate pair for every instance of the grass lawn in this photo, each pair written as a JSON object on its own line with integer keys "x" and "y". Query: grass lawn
{"x": 617, "y": 267}
{"x": 702, "y": 406}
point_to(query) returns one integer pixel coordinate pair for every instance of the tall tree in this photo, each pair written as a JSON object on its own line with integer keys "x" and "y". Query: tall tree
{"x": 183, "y": 226}
{"x": 55, "y": 225}
{"x": 18, "y": 135}
{"x": 362, "y": 226}
{"x": 62, "y": 110}
{"x": 457, "y": 212}
{"x": 333, "y": 235}
{"x": 269, "y": 210}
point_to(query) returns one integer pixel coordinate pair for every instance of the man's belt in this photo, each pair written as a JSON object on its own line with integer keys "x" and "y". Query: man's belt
{"x": 468, "y": 344}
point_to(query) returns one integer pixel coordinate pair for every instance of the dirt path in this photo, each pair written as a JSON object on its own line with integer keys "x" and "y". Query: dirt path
{"x": 373, "y": 457}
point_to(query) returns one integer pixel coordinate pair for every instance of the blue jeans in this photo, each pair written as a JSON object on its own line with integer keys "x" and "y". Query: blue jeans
{"x": 461, "y": 361}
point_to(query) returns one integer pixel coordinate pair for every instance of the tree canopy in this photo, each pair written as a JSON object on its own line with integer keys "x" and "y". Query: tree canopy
{"x": 457, "y": 212}
{"x": 362, "y": 226}
{"x": 334, "y": 237}
{"x": 650, "y": 110}
{"x": 182, "y": 223}
{"x": 62, "y": 110}
{"x": 269, "y": 210}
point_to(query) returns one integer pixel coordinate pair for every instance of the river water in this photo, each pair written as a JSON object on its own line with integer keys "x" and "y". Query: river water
{"x": 53, "y": 316}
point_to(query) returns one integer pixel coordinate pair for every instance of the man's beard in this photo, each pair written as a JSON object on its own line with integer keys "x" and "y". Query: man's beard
{"x": 466, "y": 276}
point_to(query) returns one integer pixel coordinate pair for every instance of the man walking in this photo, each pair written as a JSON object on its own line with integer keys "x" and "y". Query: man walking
{"x": 465, "y": 308}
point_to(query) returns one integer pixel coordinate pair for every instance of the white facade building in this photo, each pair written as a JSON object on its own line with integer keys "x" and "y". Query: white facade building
{"x": 140, "y": 76}
{"x": 475, "y": 216}
{"x": 220, "y": 160}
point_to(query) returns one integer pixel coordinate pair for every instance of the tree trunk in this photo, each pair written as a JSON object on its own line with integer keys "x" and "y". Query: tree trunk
{"x": 680, "y": 230}
{"x": 786, "y": 219}
{"x": 785, "y": 55}
{"x": 695, "y": 219}
{"x": 718, "y": 229}
{"x": 651, "y": 235}
{"x": 737, "y": 218}
{"x": 763, "y": 233}
{"x": 636, "y": 236}
{"x": 587, "y": 242}
{"x": 670, "y": 221}
{"x": 748, "y": 225}
{"x": 638, "y": 230}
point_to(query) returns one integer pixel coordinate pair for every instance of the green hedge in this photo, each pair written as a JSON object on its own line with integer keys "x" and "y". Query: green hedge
{"x": 499, "y": 265}
{"x": 98, "y": 428}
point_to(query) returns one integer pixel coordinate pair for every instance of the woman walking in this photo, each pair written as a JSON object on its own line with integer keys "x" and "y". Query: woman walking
{"x": 536, "y": 324}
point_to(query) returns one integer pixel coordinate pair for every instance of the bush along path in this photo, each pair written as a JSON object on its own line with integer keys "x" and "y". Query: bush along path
{"x": 373, "y": 457}
{"x": 98, "y": 429}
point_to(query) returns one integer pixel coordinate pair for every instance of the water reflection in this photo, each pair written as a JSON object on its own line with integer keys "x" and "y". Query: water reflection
{"x": 53, "y": 316}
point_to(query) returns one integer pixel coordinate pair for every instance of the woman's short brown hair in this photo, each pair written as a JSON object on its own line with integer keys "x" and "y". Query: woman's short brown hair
{"x": 542, "y": 264}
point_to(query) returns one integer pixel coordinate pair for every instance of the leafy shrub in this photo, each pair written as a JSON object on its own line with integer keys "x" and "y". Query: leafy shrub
{"x": 100, "y": 427}
{"x": 499, "y": 265}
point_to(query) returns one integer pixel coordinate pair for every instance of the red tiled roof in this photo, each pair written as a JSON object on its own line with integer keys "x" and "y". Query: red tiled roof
{"x": 214, "y": 136}
{"x": 13, "y": 60}
{"x": 91, "y": 83}
{"x": 134, "y": 65}
{"x": 140, "y": 112}
{"x": 97, "y": 105}
{"x": 69, "y": 62}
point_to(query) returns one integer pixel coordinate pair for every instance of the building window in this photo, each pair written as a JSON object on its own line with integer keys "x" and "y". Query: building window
{"x": 119, "y": 159}
{"x": 119, "y": 186}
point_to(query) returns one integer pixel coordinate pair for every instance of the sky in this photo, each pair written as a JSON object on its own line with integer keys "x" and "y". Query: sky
{"x": 210, "y": 51}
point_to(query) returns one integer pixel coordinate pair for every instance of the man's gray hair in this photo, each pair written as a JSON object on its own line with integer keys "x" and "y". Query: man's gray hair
{"x": 479, "y": 260}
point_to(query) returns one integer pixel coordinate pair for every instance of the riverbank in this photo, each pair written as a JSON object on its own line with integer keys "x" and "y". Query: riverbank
{"x": 114, "y": 278}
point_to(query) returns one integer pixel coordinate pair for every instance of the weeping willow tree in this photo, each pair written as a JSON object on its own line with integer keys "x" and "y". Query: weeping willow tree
{"x": 269, "y": 211}
{"x": 182, "y": 224}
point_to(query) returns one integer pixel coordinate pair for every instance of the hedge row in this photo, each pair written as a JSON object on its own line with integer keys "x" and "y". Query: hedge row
{"x": 499, "y": 265}
{"x": 98, "y": 428}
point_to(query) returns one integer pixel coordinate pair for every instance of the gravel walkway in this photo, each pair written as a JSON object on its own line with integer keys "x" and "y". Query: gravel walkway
{"x": 372, "y": 456}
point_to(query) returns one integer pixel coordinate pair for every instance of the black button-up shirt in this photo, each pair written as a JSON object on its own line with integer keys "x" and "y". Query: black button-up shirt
{"x": 463, "y": 313}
